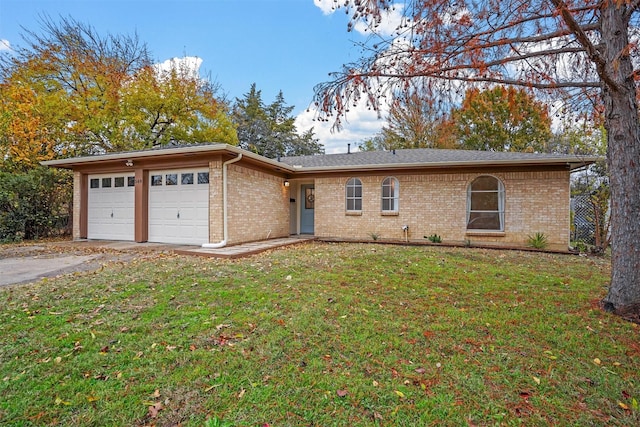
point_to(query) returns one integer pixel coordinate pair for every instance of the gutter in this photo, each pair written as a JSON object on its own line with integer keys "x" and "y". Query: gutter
{"x": 225, "y": 230}
{"x": 571, "y": 163}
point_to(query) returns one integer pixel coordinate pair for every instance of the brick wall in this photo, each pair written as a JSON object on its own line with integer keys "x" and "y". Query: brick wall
{"x": 258, "y": 205}
{"x": 535, "y": 201}
{"x": 216, "y": 232}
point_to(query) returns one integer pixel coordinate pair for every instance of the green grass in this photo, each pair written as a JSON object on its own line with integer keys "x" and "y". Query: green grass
{"x": 321, "y": 334}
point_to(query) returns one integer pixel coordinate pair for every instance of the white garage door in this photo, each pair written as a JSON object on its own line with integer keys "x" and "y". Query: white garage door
{"x": 179, "y": 206}
{"x": 111, "y": 207}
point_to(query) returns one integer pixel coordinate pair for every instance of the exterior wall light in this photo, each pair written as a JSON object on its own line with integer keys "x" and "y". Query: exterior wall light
{"x": 286, "y": 182}
{"x": 129, "y": 163}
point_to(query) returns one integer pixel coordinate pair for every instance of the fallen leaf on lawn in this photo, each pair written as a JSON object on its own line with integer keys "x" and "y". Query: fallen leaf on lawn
{"x": 171, "y": 347}
{"x": 341, "y": 393}
{"x": 192, "y": 347}
{"x": 242, "y": 392}
{"x": 399, "y": 393}
{"x": 537, "y": 380}
{"x": 104, "y": 350}
{"x": 597, "y": 361}
{"x": 420, "y": 370}
{"x": 156, "y": 393}
{"x": 375, "y": 383}
{"x": 155, "y": 409}
{"x": 623, "y": 406}
{"x": 59, "y": 401}
{"x": 92, "y": 399}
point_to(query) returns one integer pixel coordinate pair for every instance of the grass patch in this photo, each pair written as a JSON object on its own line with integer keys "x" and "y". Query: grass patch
{"x": 321, "y": 334}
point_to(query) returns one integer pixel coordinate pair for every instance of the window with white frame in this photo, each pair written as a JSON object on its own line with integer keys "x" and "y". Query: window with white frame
{"x": 354, "y": 195}
{"x": 485, "y": 204}
{"x": 390, "y": 194}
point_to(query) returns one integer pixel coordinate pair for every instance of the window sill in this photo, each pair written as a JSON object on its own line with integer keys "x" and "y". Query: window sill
{"x": 487, "y": 233}
{"x": 389, "y": 213}
{"x": 353, "y": 213}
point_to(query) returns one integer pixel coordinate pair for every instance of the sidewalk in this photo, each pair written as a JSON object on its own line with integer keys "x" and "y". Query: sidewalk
{"x": 243, "y": 250}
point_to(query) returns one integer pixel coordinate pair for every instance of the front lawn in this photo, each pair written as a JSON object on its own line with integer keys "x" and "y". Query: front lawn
{"x": 321, "y": 334}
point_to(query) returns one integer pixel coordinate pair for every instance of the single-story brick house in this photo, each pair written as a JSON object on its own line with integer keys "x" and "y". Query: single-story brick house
{"x": 217, "y": 194}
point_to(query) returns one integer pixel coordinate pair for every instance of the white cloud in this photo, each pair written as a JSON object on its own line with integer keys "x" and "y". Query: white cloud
{"x": 360, "y": 124}
{"x": 391, "y": 21}
{"x": 326, "y": 6}
{"x": 189, "y": 65}
{"x": 5, "y": 45}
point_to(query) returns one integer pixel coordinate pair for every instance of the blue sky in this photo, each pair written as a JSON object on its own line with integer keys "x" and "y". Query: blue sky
{"x": 288, "y": 45}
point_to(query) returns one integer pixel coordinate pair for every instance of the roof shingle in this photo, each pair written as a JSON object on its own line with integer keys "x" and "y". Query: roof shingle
{"x": 427, "y": 156}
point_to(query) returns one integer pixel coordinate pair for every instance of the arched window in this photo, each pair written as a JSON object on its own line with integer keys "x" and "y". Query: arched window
{"x": 354, "y": 194}
{"x": 390, "y": 194}
{"x": 485, "y": 204}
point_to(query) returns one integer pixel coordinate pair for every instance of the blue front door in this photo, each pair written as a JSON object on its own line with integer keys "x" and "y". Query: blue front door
{"x": 307, "y": 196}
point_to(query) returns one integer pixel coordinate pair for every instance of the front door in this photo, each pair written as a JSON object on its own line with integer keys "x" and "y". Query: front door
{"x": 306, "y": 209}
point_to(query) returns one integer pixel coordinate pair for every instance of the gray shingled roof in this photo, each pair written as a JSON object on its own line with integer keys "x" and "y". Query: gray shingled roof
{"x": 427, "y": 156}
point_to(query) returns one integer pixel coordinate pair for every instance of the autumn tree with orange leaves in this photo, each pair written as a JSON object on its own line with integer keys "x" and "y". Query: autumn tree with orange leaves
{"x": 583, "y": 52}
{"x": 71, "y": 91}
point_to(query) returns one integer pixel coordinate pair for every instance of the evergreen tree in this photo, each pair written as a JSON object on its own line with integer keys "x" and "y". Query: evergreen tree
{"x": 270, "y": 130}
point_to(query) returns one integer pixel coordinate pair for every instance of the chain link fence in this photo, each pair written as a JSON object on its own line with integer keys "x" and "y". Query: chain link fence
{"x": 583, "y": 227}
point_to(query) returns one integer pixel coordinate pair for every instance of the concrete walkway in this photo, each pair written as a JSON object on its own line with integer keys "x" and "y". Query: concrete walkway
{"x": 243, "y": 250}
{"x": 235, "y": 251}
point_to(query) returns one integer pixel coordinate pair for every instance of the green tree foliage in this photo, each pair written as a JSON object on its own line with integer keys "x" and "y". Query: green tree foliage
{"x": 270, "y": 130}
{"x": 160, "y": 106}
{"x": 502, "y": 119}
{"x": 413, "y": 122}
{"x": 71, "y": 91}
{"x": 34, "y": 204}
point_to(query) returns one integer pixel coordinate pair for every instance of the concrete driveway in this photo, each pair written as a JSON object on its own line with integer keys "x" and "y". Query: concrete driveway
{"x": 29, "y": 263}
{"x": 30, "y": 269}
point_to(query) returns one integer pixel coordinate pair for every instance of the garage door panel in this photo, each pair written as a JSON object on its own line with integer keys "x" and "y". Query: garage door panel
{"x": 110, "y": 207}
{"x": 178, "y": 212}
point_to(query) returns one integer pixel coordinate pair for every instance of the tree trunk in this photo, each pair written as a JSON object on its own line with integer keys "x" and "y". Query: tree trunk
{"x": 623, "y": 157}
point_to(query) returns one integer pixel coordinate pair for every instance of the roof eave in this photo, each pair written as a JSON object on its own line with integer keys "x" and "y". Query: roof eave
{"x": 81, "y": 161}
{"x": 571, "y": 163}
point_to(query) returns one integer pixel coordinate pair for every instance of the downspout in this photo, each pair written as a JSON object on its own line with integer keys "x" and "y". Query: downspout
{"x": 225, "y": 231}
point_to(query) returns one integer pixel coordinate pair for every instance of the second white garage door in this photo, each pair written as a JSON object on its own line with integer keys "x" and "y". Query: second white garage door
{"x": 179, "y": 206}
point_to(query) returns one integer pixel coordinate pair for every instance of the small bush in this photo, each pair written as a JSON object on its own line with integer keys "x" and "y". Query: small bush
{"x": 538, "y": 241}
{"x": 434, "y": 238}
